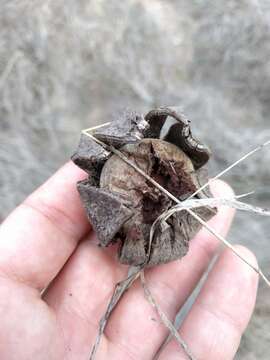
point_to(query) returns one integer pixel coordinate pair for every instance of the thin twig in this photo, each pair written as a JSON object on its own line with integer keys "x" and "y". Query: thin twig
{"x": 164, "y": 319}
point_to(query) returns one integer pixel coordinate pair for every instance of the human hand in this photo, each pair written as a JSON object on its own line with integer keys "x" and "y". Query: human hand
{"x": 47, "y": 243}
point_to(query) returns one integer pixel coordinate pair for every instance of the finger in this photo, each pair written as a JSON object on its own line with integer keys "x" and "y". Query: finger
{"x": 221, "y": 313}
{"x": 170, "y": 285}
{"x": 39, "y": 236}
{"x": 80, "y": 293}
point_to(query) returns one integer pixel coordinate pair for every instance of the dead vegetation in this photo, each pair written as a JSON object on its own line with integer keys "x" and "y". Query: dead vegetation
{"x": 66, "y": 65}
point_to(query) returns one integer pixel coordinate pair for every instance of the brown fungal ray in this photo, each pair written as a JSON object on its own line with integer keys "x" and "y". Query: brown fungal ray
{"x": 171, "y": 168}
{"x": 127, "y": 126}
{"x": 89, "y": 155}
{"x": 178, "y": 134}
{"x": 105, "y": 210}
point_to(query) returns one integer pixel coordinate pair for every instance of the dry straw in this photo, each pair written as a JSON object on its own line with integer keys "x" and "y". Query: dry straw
{"x": 186, "y": 205}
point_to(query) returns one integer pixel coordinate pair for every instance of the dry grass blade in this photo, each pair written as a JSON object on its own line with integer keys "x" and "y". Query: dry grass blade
{"x": 164, "y": 319}
{"x": 226, "y": 243}
{"x": 119, "y": 290}
{"x": 191, "y": 204}
{"x": 258, "y": 148}
{"x": 85, "y": 131}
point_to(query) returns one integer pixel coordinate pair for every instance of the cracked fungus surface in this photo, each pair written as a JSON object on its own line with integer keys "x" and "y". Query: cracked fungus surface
{"x": 172, "y": 169}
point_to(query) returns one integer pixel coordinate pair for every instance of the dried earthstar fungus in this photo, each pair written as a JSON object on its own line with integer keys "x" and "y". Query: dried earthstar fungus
{"x": 122, "y": 204}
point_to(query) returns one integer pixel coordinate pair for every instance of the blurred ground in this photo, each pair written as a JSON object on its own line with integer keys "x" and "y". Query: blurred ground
{"x": 66, "y": 65}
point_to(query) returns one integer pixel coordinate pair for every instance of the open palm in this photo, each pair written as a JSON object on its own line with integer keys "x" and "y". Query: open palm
{"x": 47, "y": 243}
